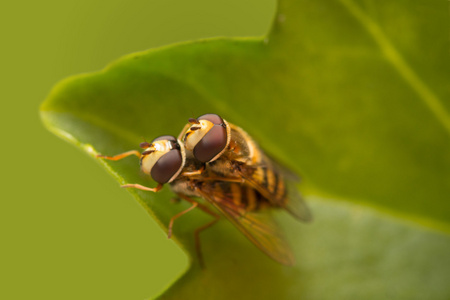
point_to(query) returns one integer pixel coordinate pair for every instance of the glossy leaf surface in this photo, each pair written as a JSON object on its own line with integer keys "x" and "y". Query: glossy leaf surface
{"x": 351, "y": 94}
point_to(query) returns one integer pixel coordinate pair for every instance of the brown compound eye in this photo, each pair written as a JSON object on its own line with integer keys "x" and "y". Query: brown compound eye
{"x": 167, "y": 166}
{"x": 212, "y": 143}
{"x": 165, "y": 137}
{"x": 213, "y": 118}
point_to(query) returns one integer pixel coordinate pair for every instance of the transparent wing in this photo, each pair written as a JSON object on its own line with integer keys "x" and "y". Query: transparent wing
{"x": 287, "y": 173}
{"x": 280, "y": 189}
{"x": 295, "y": 204}
{"x": 259, "y": 227}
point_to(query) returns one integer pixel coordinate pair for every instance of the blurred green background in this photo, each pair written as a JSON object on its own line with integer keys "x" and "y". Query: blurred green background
{"x": 71, "y": 232}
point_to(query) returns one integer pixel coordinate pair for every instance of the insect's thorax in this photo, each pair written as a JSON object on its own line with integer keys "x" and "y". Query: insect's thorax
{"x": 242, "y": 147}
{"x": 241, "y": 150}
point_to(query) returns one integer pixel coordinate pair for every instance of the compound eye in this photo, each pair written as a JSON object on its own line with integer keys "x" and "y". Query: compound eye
{"x": 211, "y": 144}
{"x": 213, "y": 118}
{"x": 167, "y": 166}
{"x": 165, "y": 137}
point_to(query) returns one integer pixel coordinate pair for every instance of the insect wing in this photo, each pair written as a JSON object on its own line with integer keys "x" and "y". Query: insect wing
{"x": 259, "y": 227}
{"x": 295, "y": 204}
{"x": 278, "y": 186}
{"x": 287, "y": 173}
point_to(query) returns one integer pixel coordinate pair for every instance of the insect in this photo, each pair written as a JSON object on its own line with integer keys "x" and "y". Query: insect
{"x": 164, "y": 159}
{"x": 227, "y": 151}
{"x": 245, "y": 199}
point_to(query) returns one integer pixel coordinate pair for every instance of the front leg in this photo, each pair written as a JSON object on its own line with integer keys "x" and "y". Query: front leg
{"x": 120, "y": 156}
{"x": 143, "y": 188}
{"x": 199, "y": 229}
{"x": 194, "y": 173}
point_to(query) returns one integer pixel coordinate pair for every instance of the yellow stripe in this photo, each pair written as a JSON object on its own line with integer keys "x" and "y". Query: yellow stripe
{"x": 254, "y": 152}
{"x": 251, "y": 199}
{"x": 281, "y": 188}
{"x": 270, "y": 180}
{"x": 258, "y": 176}
{"x": 236, "y": 194}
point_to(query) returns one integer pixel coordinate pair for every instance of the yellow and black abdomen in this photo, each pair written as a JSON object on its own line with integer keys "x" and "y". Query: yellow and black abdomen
{"x": 236, "y": 196}
{"x": 269, "y": 182}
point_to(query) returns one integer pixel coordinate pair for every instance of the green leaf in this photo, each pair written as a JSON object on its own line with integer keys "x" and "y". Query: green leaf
{"x": 353, "y": 95}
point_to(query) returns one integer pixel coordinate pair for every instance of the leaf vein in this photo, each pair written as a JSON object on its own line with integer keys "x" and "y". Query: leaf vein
{"x": 425, "y": 94}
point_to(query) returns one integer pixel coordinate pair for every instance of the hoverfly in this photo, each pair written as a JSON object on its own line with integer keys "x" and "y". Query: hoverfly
{"x": 233, "y": 193}
{"x": 229, "y": 152}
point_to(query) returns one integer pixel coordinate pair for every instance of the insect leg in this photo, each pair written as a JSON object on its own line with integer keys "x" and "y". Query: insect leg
{"x": 197, "y": 232}
{"x": 201, "y": 206}
{"x": 169, "y": 231}
{"x": 120, "y": 156}
{"x": 194, "y": 173}
{"x": 197, "y": 239}
{"x": 143, "y": 188}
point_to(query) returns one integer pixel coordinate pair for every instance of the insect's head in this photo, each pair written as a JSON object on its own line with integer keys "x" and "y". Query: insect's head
{"x": 207, "y": 137}
{"x": 163, "y": 158}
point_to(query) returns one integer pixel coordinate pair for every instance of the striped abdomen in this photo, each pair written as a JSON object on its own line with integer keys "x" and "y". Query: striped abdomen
{"x": 271, "y": 183}
{"x": 235, "y": 195}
